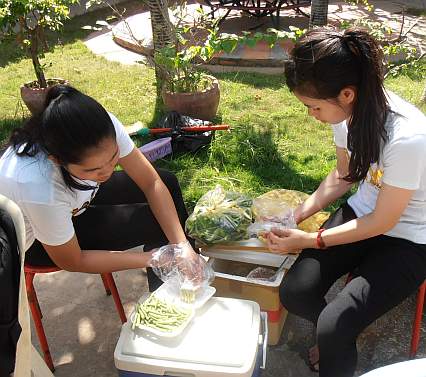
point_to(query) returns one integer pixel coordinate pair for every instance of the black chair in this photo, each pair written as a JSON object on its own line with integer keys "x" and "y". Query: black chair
{"x": 10, "y": 267}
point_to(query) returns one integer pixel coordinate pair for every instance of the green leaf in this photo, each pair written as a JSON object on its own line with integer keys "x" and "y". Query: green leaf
{"x": 251, "y": 42}
{"x": 229, "y": 45}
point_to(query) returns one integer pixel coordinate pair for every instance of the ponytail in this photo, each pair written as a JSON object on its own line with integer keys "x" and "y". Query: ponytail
{"x": 70, "y": 125}
{"x": 323, "y": 63}
{"x": 366, "y": 128}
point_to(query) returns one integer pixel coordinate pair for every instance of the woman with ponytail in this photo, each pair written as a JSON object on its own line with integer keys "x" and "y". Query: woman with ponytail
{"x": 78, "y": 211}
{"x": 379, "y": 234}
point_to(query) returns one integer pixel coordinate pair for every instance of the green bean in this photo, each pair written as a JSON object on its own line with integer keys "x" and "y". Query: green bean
{"x": 159, "y": 314}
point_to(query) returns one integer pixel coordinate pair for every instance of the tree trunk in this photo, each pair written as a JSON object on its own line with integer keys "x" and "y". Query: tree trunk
{"x": 34, "y": 51}
{"x": 319, "y": 10}
{"x": 160, "y": 23}
{"x": 161, "y": 30}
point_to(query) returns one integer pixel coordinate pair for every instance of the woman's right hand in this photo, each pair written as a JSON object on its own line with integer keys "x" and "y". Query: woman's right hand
{"x": 289, "y": 241}
{"x": 181, "y": 261}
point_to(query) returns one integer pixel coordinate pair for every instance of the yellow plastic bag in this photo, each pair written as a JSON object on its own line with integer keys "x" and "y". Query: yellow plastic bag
{"x": 272, "y": 203}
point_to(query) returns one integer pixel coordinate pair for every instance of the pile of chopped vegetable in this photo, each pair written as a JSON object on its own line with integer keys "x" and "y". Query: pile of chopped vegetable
{"x": 220, "y": 216}
{"x": 188, "y": 293}
{"x": 160, "y": 315}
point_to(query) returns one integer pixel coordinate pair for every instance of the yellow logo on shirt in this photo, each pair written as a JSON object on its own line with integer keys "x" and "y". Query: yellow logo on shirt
{"x": 375, "y": 175}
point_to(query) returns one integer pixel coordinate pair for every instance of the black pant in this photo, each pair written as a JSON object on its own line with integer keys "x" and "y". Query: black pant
{"x": 386, "y": 270}
{"x": 119, "y": 218}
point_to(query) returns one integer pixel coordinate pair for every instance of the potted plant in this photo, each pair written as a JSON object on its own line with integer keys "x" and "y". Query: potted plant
{"x": 187, "y": 43}
{"x": 185, "y": 87}
{"x": 27, "y": 21}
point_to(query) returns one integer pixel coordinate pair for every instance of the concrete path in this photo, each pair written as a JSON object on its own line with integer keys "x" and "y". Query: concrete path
{"x": 129, "y": 49}
{"x": 82, "y": 328}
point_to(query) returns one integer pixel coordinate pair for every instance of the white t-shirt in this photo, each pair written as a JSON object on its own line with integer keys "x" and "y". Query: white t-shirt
{"x": 402, "y": 164}
{"x": 47, "y": 204}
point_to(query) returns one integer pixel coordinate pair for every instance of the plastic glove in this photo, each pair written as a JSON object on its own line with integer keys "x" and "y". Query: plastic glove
{"x": 163, "y": 260}
{"x": 267, "y": 223}
{"x": 192, "y": 267}
{"x": 181, "y": 263}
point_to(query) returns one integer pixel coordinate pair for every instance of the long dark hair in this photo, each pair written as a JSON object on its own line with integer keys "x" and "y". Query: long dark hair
{"x": 71, "y": 124}
{"x": 322, "y": 63}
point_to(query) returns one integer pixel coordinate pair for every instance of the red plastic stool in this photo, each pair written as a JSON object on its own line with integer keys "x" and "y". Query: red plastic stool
{"x": 417, "y": 323}
{"x": 415, "y": 335}
{"x": 30, "y": 271}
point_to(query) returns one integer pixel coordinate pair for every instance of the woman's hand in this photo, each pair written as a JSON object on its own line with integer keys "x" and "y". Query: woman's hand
{"x": 192, "y": 267}
{"x": 289, "y": 241}
{"x": 180, "y": 261}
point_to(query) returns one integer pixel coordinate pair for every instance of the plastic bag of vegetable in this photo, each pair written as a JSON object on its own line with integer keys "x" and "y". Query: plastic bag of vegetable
{"x": 220, "y": 216}
{"x": 276, "y": 203}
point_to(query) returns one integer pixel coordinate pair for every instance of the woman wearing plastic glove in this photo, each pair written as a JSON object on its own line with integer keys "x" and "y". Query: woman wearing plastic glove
{"x": 379, "y": 234}
{"x": 79, "y": 211}
{"x": 172, "y": 263}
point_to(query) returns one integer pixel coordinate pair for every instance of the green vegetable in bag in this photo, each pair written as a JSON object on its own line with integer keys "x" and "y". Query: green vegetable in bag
{"x": 220, "y": 216}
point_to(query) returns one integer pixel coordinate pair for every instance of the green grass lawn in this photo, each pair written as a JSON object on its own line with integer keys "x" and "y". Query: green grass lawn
{"x": 273, "y": 142}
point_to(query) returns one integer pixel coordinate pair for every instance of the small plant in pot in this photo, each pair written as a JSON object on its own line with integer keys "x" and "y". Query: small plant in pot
{"x": 185, "y": 87}
{"x": 26, "y": 22}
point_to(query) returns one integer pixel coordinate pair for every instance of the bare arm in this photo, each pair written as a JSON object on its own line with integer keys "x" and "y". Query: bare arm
{"x": 390, "y": 205}
{"x": 70, "y": 257}
{"x": 160, "y": 201}
{"x": 330, "y": 189}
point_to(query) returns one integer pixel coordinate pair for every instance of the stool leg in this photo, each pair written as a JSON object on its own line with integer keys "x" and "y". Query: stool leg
{"x": 417, "y": 320}
{"x": 36, "y": 314}
{"x": 107, "y": 290}
{"x": 31, "y": 293}
{"x": 113, "y": 288}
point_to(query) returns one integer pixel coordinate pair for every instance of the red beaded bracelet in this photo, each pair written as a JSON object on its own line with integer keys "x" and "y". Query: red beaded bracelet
{"x": 320, "y": 241}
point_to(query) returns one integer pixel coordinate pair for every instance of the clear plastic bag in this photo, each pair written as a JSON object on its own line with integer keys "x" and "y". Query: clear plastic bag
{"x": 275, "y": 203}
{"x": 262, "y": 274}
{"x": 220, "y": 216}
{"x": 179, "y": 266}
{"x": 258, "y": 228}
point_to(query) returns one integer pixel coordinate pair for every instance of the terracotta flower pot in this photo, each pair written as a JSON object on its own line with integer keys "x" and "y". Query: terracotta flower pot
{"x": 200, "y": 105}
{"x": 35, "y": 97}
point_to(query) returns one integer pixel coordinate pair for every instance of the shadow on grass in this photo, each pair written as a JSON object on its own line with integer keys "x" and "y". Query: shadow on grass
{"x": 256, "y": 151}
{"x": 256, "y": 80}
{"x": 6, "y": 127}
{"x": 247, "y": 157}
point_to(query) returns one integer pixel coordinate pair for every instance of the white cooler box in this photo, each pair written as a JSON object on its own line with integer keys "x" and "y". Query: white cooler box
{"x": 227, "y": 337}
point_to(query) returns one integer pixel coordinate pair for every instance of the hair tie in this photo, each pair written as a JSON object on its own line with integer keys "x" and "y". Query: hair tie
{"x": 351, "y": 43}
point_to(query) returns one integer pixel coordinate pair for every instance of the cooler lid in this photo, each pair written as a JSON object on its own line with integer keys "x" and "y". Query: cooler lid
{"x": 223, "y": 333}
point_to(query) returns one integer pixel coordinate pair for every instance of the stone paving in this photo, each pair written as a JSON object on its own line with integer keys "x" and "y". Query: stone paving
{"x": 260, "y": 58}
{"x": 82, "y": 328}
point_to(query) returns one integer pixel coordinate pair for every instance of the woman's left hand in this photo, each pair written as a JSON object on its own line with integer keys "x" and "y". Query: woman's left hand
{"x": 288, "y": 241}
